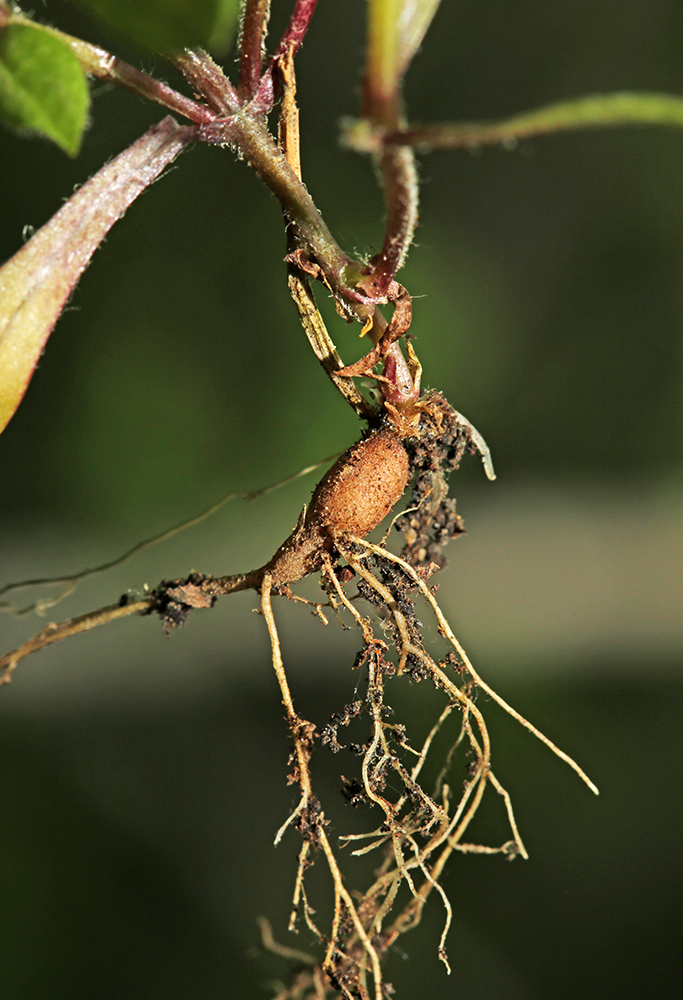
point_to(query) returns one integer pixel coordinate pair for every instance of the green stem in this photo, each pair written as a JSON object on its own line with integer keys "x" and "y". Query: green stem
{"x": 594, "y": 111}
{"x": 246, "y": 129}
{"x": 381, "y": 85}
{"x": 251, "y": 136}
{"x": 226, "y": 118}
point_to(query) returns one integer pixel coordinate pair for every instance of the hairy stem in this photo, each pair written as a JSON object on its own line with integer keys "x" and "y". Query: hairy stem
{"x": 252, "y": 41}
{"x": 382, "y": 107}
{"x": 401, "y": 191}
{"x": 209, "y": 79}
{"x": 288, "y": 46}
{"x": 250, "y": 135}
{"x": 592, "y": 111}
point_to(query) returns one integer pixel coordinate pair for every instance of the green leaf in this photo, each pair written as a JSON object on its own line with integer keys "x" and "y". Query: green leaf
{"x": 168, "y": 25}
{"x": 42, "y": 87}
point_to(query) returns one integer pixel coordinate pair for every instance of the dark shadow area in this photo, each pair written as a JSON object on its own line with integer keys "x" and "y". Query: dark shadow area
{"x": 138, "y": 849}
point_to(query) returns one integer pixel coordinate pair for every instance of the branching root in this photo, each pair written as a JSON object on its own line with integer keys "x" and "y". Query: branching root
{"x": 421, "y": 794}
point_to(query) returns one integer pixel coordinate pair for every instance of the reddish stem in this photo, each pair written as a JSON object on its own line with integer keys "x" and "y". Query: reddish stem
{"x": 128, "y": 76}
{"x": 384, "y": 108}
{"x": 102, "y": 65}
{"x": 298, "y": 25}
{"x": 290, "y": 44}
{"x": 254, "y": 26}
{"x": 209, "y": 80}
{"x": 401, "y": 191}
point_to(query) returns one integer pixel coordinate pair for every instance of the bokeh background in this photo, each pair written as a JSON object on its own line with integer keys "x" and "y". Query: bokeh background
{"x": 143, "y": 779}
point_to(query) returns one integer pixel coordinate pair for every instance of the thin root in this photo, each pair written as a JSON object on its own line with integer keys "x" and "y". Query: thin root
{"x": 448, "y": 633}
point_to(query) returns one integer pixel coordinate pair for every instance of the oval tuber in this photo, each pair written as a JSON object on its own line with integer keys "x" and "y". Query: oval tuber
{"x": 352, "y": 498}
{"x": 361, "y": 487}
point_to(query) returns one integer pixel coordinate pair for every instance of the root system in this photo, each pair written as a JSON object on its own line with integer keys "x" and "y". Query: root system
{"x": 417, "y": 828}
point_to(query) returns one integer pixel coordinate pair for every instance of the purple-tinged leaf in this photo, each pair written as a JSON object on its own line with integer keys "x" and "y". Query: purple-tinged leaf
{"x": 36, "y": 283}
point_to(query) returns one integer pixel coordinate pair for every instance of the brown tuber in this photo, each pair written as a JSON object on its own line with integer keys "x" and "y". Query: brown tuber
{"x": 352, "y": 498}
{"x": 362, "y": 486}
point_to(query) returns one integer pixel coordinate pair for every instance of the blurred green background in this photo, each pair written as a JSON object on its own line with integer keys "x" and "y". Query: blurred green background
{"x": 143, "y": 780}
